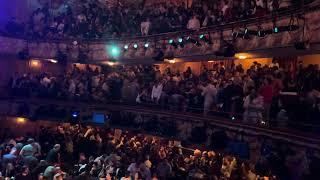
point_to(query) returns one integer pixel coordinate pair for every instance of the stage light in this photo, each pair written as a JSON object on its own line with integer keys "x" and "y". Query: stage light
{"x": 53, "y": 61}
{"x": 246, "y": 31}
{"x": 21, "y": 120}
{"x": 126, "y": 47}
{"x": 191, "y": 40}
{"x": 110, "y": 63}
{"x": 146, "y": 45}
{"x": 172, "y": 43}
{"x": 114, "y": 51}
{"x": 260, "y": 33}
{"x": 206, "y": 38}
{"x": 35, "y": 63}
{"x": 242, "y": 57}
{"x": 181, "y": 43}
{"x": 135, "y": 46}
{"x": 275, "y": 29}
{"x": 75, "y": 114}
{"x": 235, "y": 34}
{"x": 171, "y": 61}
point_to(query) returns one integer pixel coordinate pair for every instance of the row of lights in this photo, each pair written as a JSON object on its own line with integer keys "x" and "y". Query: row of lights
{"x": 180, "y": 42}
{"x": 245, "y": 34}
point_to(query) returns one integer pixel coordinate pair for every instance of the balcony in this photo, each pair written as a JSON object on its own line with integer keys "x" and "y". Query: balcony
{"x": 304, "y": 21}
{"x": 172, "y": 124}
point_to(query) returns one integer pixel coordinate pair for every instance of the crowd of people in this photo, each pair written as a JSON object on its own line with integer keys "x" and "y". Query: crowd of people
{"x": 76, "y": 152}
{"x": 92, "y": 19}
{"x": 259, "y": 95}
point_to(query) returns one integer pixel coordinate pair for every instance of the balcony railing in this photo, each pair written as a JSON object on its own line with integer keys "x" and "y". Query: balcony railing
{"x": 12, "y": 107}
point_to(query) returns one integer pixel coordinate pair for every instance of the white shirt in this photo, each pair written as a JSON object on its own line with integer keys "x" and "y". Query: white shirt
{"x": 193, "y": 24}
{"x": 209, "y": 92}
{"x": 145, "y": 26}
{"x": 45, "y": 81}
{"x": 105, "y": 86}
{"x": 156, "y": 91}
{"x": 224, "y": 8}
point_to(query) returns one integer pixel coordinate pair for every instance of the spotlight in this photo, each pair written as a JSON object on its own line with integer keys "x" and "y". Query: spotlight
{"x": 242, "y": 57}
{"x": 34, "y": 63}
{"x": 75, "y": 114}
{"x": 146, "y": 45}
{"x": 260, "y": 32}
{"x": 246, "y": 31}
{"x": 75, "y": 117}
{"x": 171, "y": 42}
{"x": 235, "y": 34}
{"x": 171, "y": 61}
{"x": 21, "y": 120}
{"x": 206, "y": 38}
{"x": 114, "y": 51}
{"x": 180, "y": 41}
{"x": 245, "y": 34}
{"x": 135, "y": 46}
{"x": 53, "y": 61}
{"x": 191, "y": 40}
{"x": 126, "y": 47}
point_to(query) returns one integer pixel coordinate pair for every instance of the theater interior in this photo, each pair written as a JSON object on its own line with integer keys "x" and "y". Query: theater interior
{"x": 124, "y": 99}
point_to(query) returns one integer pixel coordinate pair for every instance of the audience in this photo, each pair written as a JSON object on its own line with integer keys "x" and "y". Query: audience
{"x": 93, "y": 19}
{"x": 127, "y": 155}
{"x": 260, "y": 93}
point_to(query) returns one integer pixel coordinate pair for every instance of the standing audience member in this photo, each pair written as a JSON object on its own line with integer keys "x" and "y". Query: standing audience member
{"x": 253, "y": 105}
{"x": 193, "y": 23}
{"x": 53, "y": 156}
{"x": 209, "y": 92}
{"x": 156, "y": 92}
{"x": 145, "y": 27}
